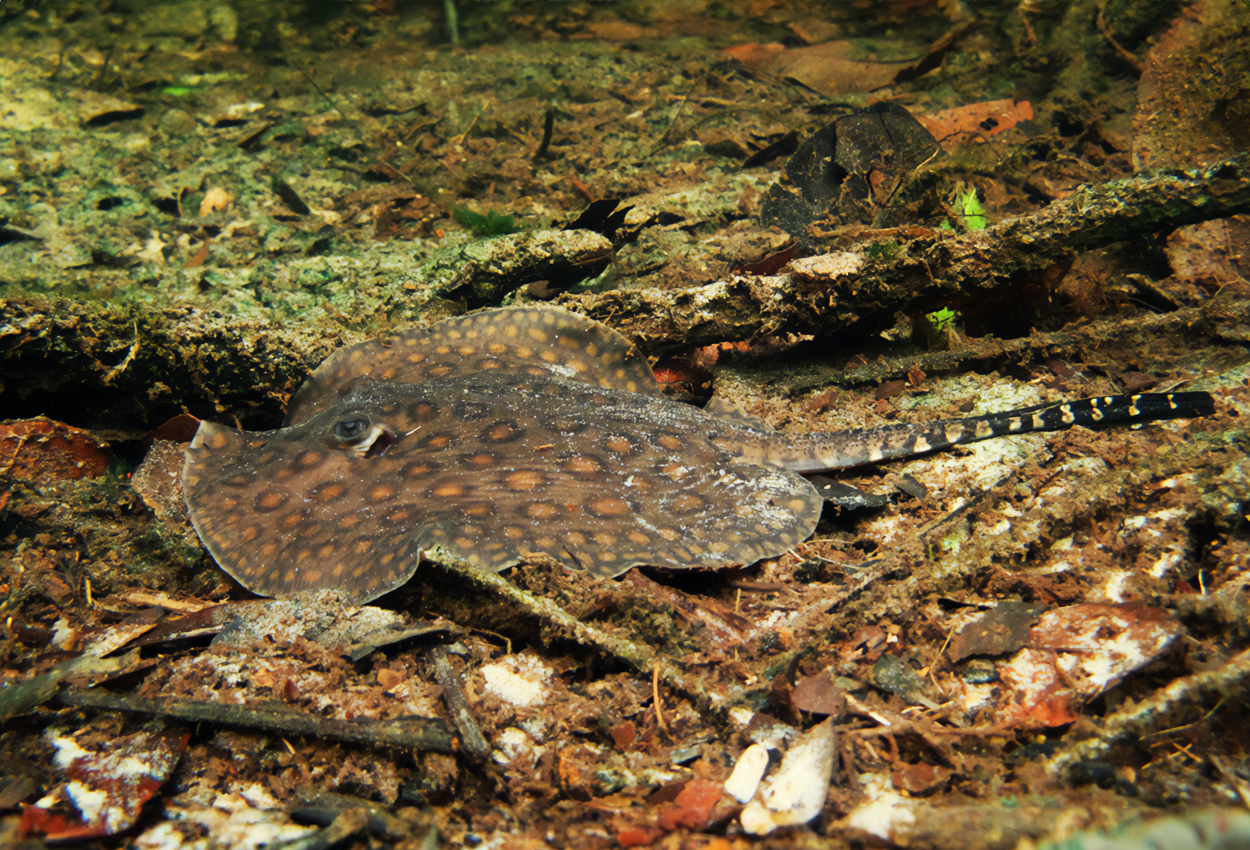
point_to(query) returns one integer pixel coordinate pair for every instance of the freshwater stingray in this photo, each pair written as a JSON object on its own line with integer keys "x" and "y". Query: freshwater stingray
{"x": 521, "y": 434}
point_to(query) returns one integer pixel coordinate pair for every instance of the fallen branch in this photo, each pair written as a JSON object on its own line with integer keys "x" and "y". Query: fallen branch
{"x": 425, "y": 734}
{"x": 637, "y": 654}
{"x": 927, "y": 270}
{"x": 474, "y": 741}
{"x": 928, "y": 571}
{"x": 1218, "y": 317}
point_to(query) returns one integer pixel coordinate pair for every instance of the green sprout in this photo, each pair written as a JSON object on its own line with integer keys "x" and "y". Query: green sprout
{"x": 491, "y": 224}
{"x": 941, "y": 319}
{"x": 970, "y": 211}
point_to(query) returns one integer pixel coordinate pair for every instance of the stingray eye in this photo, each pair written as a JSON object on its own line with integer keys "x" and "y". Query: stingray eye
{"x": 351, "y": 430}
{"x": 363, "y": 437}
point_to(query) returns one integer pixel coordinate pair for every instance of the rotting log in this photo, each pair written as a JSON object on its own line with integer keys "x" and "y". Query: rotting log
{"x": 136, "y": 366}
{"x": 1222, "y": 320}
{"x": 1170, "y": 707}
{"x": 928, "y": 270}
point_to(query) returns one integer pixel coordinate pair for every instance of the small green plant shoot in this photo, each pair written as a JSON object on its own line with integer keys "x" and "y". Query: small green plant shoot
{"x": 491, "y": 224}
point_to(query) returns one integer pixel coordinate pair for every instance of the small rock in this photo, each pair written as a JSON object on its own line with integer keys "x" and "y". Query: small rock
{"x": 176, "y": 122}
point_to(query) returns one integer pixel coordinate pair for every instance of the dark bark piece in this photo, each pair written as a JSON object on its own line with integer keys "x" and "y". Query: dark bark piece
{"x": 475, "y": 743}
{"x": 845, "y": 496}
{"x": 426, "y": 734}
{"x": 324, "y": 807}
{"x": 836, "y": 169}
{"x": 996, "y": 632}
{"x": 1189, "y": 324}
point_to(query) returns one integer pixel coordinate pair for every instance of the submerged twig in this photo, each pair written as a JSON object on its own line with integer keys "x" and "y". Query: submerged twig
{"x": 549, "y": 123}
{"x": 474, "y": 742}
{"x": 642, "y": 658}
{"x": 427, "y": 734}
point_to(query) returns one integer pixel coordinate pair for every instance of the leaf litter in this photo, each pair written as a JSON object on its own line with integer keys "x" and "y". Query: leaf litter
{"x": 211, "y": 203}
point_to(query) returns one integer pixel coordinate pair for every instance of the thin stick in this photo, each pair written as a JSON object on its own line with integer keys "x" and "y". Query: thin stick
{"x": 549, "y": 124}
{"x": 657, "y": 702}
{"x": 470, "y": 733}
{"x": 428, "y": 734}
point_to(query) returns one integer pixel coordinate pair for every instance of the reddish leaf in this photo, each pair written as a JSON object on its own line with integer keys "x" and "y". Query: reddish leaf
{"x": 42, "y": 450}
{"x": 624, "y": 734}
{"x": 693, "y": 806}
{"x": 977, "y": 120}
{"x": 106, "y": 786}
{"x": 773, "y": 263}
{"x": 920, "y": 778}
{"x": 634, "y": 836}
{"x": 1003, "y": 629}
{"x": 832, "y": 68}
{"x": 180, "y": 429}
{"x": 754, "y": 55}
{"x": 819, "y": 695}
{"x": 1076, "y": 653}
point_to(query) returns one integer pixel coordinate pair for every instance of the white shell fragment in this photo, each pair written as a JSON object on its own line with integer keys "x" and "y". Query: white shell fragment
{"x": 796, "y": 794}
{"x": 521, "y": 680}
{"x": 887, "y": 815}
{"x": 747, "y": 773}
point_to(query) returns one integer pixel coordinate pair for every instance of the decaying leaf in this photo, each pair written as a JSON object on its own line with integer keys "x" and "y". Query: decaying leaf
{"x": 108, "y": 781}
{"x": 976, "y": 121}
{"x": 43, "y": 450}
{"x": 1076, "y": 653}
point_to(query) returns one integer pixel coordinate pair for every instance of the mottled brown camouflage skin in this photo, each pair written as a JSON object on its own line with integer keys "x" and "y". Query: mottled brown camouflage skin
{"x": 530, "y": 433}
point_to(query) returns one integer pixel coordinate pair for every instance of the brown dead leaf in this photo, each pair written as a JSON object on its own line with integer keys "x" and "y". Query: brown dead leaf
{"x": 624, "y": 734}
{"x": 824, "y": 401}
{"x": 109, "y": 782}
{"x": 1077, "y": 652}
{"x": 773, "y": 263}
{"x": 833, "y": 68}
{"x": 215, "y": 200}
{"x": 816, "y": 30}
{"x": 819, "y": 695}
{"x": 918, "y": 779}
{"x": 693, "y": 806}
{"x": 1215, "y": 254}
{"x": 1002, "y": 629}
{"x": 180, "y": 429}
{"x": 198, "y": 258}
{"x": 1191, "y": 102}
{"x": 890, "y": 389}
{"x": 976, "y": 121}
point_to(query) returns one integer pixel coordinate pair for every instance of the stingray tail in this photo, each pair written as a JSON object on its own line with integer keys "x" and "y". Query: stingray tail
{"x": 827, "y": 452}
